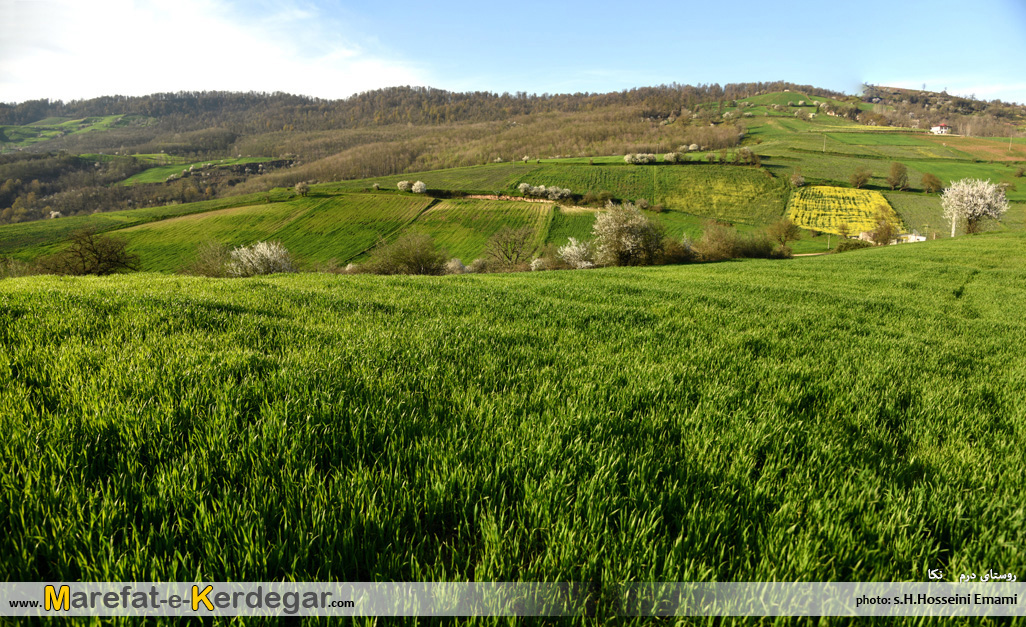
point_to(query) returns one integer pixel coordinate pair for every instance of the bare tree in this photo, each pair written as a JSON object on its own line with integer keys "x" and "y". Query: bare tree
{"x": 509, "y": 246}
{"x": 93, "y": 253}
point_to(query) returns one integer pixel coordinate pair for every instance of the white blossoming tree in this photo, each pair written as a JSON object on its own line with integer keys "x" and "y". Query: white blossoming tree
{"x": 420, "y": 187}
{"x": 972, "y": 201}
{"x": 625, "y": 237}
{"x": 260, "y": 258}
{"x": 577, "y": 254}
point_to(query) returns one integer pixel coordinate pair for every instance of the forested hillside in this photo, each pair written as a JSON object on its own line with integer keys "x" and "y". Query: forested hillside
{"x": 75, "y": 158}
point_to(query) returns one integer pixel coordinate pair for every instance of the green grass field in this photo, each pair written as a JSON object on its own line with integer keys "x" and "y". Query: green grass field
{"x": 160, "y": 173}
{"x": 30, "y": 239}
{"x": 316, "y": 229}
{"x": 463, "y": 227}
{"x": 855, "y": 417}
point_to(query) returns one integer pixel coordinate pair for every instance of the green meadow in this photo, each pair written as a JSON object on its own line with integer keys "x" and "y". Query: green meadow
{"x": 854, "y": 417}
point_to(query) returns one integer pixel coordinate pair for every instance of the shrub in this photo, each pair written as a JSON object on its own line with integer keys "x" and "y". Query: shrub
{"x": 577, "y": 254}
{"x": 92, "y": 253}
{"x": 676, "y": 251}
{"x": 549, "y": 259}
{"x": 211, "y": 260}
{"x": 541, "y": 191}
{"x": 419, "y": 187}
{"x": 851, "y": 244}
{"x": 10, "y": 268}
{"x": 412, "y": 253}
{"x": 931, "y": 184}
{"x": 756, "y": 246}
{"x": 898, "y": 176}
{"x": 258, "y": 259}
{"x": 375, "y": 187}
{"x": 404, "y": 186}
{"x": 860, "y": 177}
{"x": 797, "y": 180}
{"x": 1020, "y": 172}
{"x": 479, "y": 266}
{"x": 625, "y": 237}
{"x": 720, "y": 242}
{"x": 302, "y": 188}
{"x": 640, "y": 158}
{"x": 455, "y": 266}
{"x": 672, "y": 157}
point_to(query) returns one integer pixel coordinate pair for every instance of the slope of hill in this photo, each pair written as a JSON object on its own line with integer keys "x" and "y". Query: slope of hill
{"x": 818, "y": 139}
{"x": 846, "y": 418}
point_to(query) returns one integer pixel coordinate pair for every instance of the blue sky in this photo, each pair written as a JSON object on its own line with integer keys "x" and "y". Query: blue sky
{"x": 69, "y": 49}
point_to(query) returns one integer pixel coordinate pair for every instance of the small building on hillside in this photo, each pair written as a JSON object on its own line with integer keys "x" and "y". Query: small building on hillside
{"x": 910, "y": 238}
{"x": 942, "y": 129}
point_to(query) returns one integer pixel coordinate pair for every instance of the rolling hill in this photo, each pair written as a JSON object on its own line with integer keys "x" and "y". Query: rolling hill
{"x": 853, "y": 417}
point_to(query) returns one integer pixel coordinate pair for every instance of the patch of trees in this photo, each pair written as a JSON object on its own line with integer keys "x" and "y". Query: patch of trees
{"x": 90, "y": 252}
{"x": 34, "y": 185}
{"x": 552, "y": 192}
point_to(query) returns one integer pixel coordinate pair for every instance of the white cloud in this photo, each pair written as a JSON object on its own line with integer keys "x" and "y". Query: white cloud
{"x": 68, "y": 49}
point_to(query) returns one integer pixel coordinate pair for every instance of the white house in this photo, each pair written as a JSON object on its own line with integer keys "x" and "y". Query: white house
{"x": 943, "y": 129}
{"x": 910, "y": 238}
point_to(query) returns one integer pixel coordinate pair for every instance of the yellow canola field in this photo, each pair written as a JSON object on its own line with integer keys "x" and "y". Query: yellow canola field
{"x": 825, "y": 208}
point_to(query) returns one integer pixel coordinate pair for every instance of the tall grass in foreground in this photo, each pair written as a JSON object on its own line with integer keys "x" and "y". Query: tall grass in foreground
{"x": 854, "y": 417}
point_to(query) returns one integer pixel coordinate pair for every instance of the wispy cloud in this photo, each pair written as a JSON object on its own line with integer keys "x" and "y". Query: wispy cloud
{"x": 70, "y": 49}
